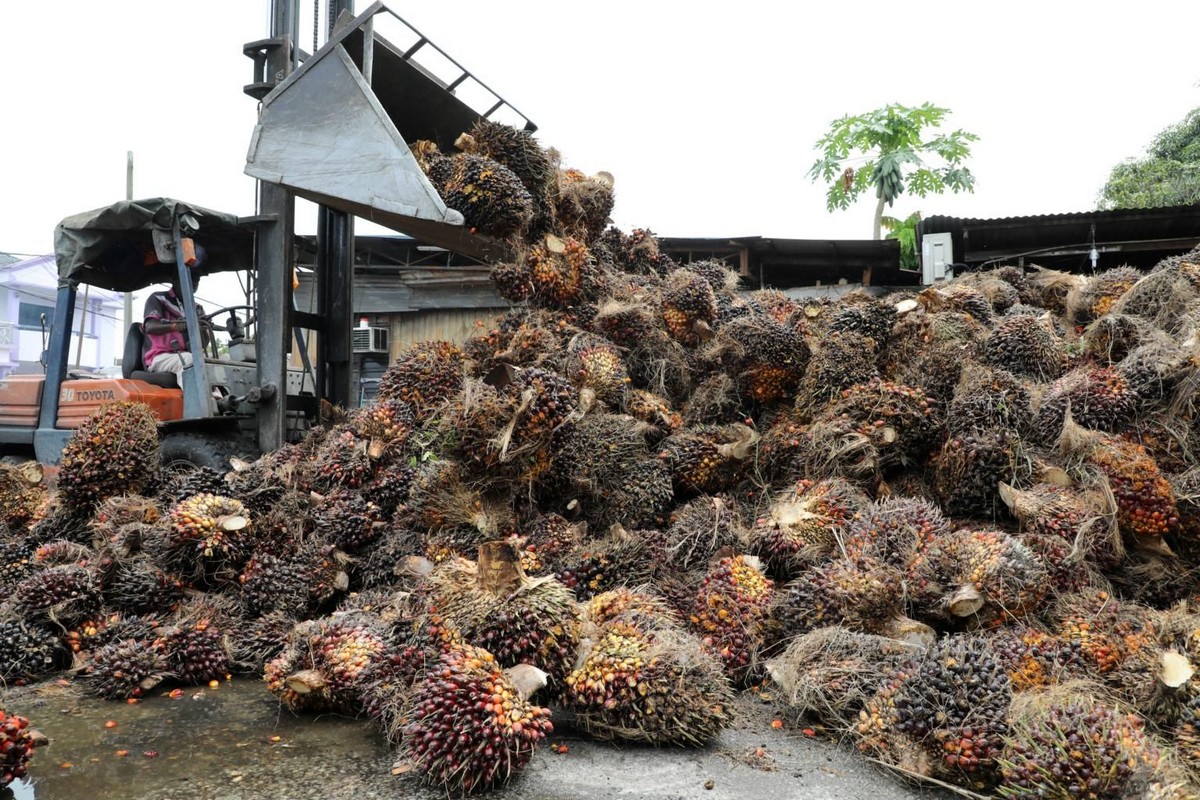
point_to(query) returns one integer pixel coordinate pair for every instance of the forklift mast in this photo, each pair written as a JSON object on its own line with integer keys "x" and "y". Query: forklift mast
{"x": 334, "y": 127}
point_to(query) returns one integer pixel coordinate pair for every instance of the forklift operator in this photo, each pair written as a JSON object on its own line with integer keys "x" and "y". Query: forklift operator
{"x": 166, "y": 347}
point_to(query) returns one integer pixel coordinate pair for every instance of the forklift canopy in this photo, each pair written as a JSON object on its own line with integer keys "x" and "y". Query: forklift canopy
{"x": 113, "y": 247}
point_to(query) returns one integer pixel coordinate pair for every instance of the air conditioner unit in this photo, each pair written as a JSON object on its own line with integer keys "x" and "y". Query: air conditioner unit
{"x": 369, "y": 340}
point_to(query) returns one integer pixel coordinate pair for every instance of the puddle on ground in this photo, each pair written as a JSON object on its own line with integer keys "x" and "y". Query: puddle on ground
{"x": 232, "y": 742}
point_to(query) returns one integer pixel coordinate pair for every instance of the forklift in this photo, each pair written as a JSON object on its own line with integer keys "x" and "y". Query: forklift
{"x": 334, "y": 127}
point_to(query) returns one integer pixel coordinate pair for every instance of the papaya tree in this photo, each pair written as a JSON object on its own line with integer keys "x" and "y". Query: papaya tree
{"x": 891, "y": 151}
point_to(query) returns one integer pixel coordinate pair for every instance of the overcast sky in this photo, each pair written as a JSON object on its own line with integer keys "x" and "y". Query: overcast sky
{"x": 705, "y": 113}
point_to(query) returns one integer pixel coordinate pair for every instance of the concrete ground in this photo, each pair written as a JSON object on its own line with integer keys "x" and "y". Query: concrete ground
{"x": 235, "y": 743}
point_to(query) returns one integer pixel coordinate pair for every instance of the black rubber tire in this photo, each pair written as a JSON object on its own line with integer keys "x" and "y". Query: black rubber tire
{"x": 197, "y": 449}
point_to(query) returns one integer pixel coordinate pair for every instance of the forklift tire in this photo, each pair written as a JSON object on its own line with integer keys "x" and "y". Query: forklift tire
{"x": 196, "y": 449}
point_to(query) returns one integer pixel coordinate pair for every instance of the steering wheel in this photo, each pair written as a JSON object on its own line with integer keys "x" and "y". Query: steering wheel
{"x": 229, "y": 310}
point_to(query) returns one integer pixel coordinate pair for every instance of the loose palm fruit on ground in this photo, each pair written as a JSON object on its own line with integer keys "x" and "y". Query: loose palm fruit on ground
{"x": 654, "y": 685}
{"x": 469, "y": 726}
{"x": 113, "y": 451}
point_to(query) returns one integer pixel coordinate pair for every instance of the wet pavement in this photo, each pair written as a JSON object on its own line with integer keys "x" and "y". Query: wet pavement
{"x": 236, "y": 743}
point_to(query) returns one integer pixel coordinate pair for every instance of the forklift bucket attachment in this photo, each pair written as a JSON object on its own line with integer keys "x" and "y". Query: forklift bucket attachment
{"x": 337, "y": 132}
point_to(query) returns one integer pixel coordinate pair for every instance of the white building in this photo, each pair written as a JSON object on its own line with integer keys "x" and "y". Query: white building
{"x": 28, "y": 289}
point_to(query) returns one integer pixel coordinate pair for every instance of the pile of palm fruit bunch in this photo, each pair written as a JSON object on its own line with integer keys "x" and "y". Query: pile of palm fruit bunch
{"x": 957, "y": 528}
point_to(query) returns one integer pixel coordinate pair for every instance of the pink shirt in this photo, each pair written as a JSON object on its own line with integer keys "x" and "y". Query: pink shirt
{"x": 163, "y": 306}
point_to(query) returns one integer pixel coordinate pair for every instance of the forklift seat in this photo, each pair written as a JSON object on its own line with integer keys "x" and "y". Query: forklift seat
{"x": 131, "y": 361}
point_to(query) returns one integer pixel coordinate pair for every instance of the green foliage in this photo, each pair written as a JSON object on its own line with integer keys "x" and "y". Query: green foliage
{"x": 1169, "y": 175}
{"x": 904, "y": 231}
{"x": 894, "y": 156}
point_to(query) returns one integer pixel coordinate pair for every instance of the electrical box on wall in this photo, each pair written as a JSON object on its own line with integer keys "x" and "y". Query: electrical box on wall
{"x": 937, "y": 255}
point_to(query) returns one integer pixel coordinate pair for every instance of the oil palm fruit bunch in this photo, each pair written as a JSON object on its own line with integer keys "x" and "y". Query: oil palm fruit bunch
{"x": 66, "y": 594}
{"x": 560, "y": 270}
{"x": 971, "y": 466}
{"x": 984, "y": 574}
{"x": 1050, "y": 289}
{"x": 546, "y": 542}
{"x": 1159, "y": 370}
{"x": 1100, "y": 293}
{"x": 519, "y": 620}
{"x": 17, "y": 741}
{"x": 260, "y": 640}
{"x": 636, "y": 253}
{"x": 424, "y": 376}
{"x": 1099, "y": 399}
{"x": 27, "y": 651}
{"x": 767, "y": 357}
{"x": 113, "y": 451}
{"x": 859, "y": 595}
{"x": 489, "y": 195}
{"x": 137, "y": 585}
{"x": 999, "y": 292}
{"x": 640, "y": 606}
{"x": 958, "y": 297}
{"x": 707, "y": 458}
{"x": 22, "y": 491}
{"x": 1100, "y": 630}
{"x": 654, "y": 410}
{"x": 124, "y": 669}
{"x": 783, "y": 433}
{"x": 513, "y": 280}
{"x": 347, "y": 521}
{"x": 1032, "y": 658}
{"x": 641, "y": 496}
{"x": 386, "y": 424}
{"x": 388, "y": 487}
{"x": 344, "y": 650}
{"x": 599, "y": 371}
{"x": 1146, "y": 509}
{"x": 545, "y": 401}
{"x": 803, "y": 524}
{"x": 864, "y": 315}
{"x": 197, "y": 652}
{"x": 988, "y": 399}
{"x": 342, "y": 461}
{"x": 895, "y": 529}
{"x": 589, "y": 454}
{"x": 518, "y": 150}
{"x": 619, "y": 558}
{"x": 652, "y": 684}
{"x": 729, "y": 613}
{"x": 1076, "y": 749}
{"x": 839, "y": 360}
{"x": 176, "y": 482}
{"x": 626, "y": 324}
{"x": 469, "y": 725}
{"x": 209, "y": 530}
{"x": 944, "y": 713}
{"x": 1110, "y": 338}
{"x": 828, "y": 674}
{"x": 900, "y": 421}
{"x": 701, "y": 527}
{"x": 1067, "y": 513}
{"x": 584, "y": 202}
{"x": 1157, "y": 680}
{"x": 688, "y": 308}
{"x": 1026, "y": 345}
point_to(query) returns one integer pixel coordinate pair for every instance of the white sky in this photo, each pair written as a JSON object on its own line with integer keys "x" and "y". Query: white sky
{"x": 705, "y": 113}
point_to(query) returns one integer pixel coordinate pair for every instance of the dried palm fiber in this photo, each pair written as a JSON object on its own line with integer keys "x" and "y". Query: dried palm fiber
{"x": 899, "y": 421}
{"x": 715, "y": 400}
{"x": 774, "y": 304}
{"x": 893, "y": 529}
{"x": 424, "y": 376}
{"x": 988, "y": 576}
{"x": 113, "y": 451}
{"x": 767, "y": 357}
{"x": 1097, "y": 295}
{"x": 1085, "y": 519}
{"x": 957, "y": 297}
{"x": 688, "y": 308}
{"x": 968, "y": 471}
{"x": 987, "y": 399}
{"x": 1070, "y": 742}
{"x": 535, "y": 166}
{"x": 1026, "y": 345}
{"x": 1031, "y": 657}
{"x": 468, "y": 725}
{"x": 1111, "y": 337}
{"x": 1167, "y": 296}
{"x": 520, "y": 620}
{"x": 827, "y": 674}
{"x": 730, "y": 613}
{"x": 1049, "y": 289}
{"x": 653, "y": 410}
{"x": 1155, "y": 580}
{"x": 1145, "y": 503}
{"x": 942, "y": 713}
{"x": 488, "y": 194}
{"x": 561, "y": 270}
{"x": 652, "y": 684}
{"x": 583, "y": 203}
{"x": 598, "y": 370}
{"x": 1100, "y": 630}
{"x": 862, "y": 595}
{"x": 708, "y": 458}
{"x": 804, "y": 524}
{"x": 701, "y": 527}
{"x": 438, "y": 499}
{"x": 1099, "y": 399}
{"x": 22, "y": 491}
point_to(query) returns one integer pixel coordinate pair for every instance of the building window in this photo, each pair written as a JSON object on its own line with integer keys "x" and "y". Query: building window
{"x": 29, "y": 315}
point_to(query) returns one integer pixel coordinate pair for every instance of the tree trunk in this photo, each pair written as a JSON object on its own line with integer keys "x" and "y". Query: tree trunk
{"x": 879, "y": 218}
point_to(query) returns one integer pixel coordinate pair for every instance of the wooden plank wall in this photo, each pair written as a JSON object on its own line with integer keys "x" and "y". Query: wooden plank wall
{"x": 455, "y": 325}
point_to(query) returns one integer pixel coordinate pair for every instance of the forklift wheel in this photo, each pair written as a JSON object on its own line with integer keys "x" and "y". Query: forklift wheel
{"x": 196, "y": 449}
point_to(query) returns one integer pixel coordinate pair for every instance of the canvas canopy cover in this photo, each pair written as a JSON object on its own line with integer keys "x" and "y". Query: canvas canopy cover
{"x": 113, "y": 247}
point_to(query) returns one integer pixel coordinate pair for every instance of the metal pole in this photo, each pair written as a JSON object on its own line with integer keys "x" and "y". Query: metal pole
{"x": 128, "y": 196}
{"x": 82, "y": 324}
